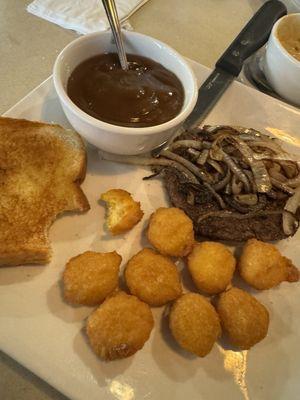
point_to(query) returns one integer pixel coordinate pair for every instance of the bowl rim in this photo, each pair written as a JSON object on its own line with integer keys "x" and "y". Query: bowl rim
{"x": 283, "y": 50}
{"x": 62, "y": 94}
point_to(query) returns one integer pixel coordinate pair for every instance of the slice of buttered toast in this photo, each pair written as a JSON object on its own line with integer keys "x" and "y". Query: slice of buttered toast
{"x": 41, "y": 168}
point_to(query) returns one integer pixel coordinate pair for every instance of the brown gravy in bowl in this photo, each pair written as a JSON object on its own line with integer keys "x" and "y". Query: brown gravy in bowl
{"x": 147, "y": 94}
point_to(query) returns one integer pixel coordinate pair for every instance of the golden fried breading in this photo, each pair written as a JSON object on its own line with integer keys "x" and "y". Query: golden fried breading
{"x": 153, "y": 278}
{"x": 123, "y": 212}
{"x": 262, "y": 266}
{"x": 244, "y": 319}
{"x": 119, "y": 327}
{"x": 194, "y": 323}
{"x": 90, "y": 277}
{"x": 212, "y": 266}
{"x": 171, "y": 232}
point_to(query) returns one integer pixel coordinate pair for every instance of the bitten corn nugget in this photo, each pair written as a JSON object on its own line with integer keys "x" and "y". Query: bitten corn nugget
{"x": 123, "y": 212}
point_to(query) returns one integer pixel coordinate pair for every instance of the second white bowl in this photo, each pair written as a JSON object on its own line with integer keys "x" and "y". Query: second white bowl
{"x": 282, "y": 70}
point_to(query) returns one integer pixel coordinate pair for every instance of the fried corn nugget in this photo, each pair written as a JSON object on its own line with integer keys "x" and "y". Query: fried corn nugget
{"x": 244, "y": 319}
{"x": 262, "y": 266}
{"x": 90, "y": 277}
{"x": 119, "y": 327}
{"x": 194, "y": 324}
{"x": 153, "y": 278}
{"x": 171, "y": 232}
{"x": 211, "y": 266}
{"x": 123, "y": 212}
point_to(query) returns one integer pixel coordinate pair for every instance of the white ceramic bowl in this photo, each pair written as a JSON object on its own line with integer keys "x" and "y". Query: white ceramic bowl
{"x": 281, "y": 69}
{"x": 112, "y": 138}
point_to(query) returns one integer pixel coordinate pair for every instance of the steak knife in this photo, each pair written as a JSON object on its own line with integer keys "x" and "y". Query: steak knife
{"x": 253, "y": 36}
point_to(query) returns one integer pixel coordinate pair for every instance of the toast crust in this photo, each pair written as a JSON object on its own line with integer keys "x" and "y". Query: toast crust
{"x": 41, "y": 169}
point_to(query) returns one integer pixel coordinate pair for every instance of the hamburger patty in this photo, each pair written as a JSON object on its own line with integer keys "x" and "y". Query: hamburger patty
{"x": 265, "y": 225}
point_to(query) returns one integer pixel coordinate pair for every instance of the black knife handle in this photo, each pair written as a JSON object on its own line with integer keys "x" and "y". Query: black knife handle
{"x": 252, "y": 37}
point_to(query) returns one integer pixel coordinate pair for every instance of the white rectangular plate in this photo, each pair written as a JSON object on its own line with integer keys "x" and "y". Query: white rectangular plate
{"x": 45, "y": 334}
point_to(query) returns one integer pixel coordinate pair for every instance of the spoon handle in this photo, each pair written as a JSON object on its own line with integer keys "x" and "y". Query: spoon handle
{"x": 112, "y": 15}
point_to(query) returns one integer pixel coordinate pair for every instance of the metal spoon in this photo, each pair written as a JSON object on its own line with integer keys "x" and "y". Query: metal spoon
{"x": 114, "y": 22}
